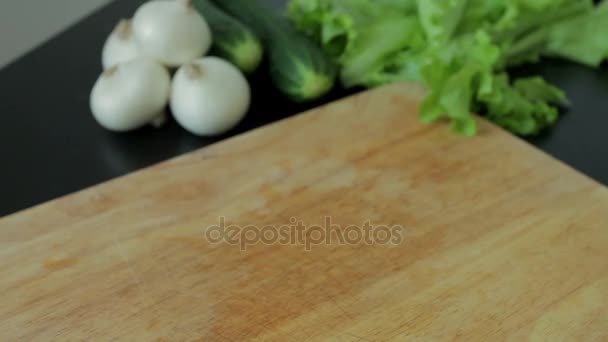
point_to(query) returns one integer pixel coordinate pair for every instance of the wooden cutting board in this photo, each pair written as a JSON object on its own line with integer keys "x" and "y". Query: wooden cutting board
{"x": 498, "y": 240}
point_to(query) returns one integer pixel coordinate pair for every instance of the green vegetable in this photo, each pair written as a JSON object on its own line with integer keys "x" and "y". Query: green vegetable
{"x": 232, "y": 40}
{"x": 523, "y": 106}
{"x": 583, "y": 39}
{"x": 365, "y": 37}
{"x": 459, "y": 49}
{"x": 453, "y": 74}
{"x": 298, "y": 67}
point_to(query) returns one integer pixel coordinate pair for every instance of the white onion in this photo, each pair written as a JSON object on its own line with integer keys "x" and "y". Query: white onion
{"x": 171, "y": 31}
{"x": 120, "y": 46}
{"x": 131, "y": 95}
{"x": 209, "y": 96}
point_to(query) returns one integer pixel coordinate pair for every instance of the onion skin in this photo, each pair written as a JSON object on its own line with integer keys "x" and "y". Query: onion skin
{"x": 171, "y": 31}
{"x": 131, "y": 95}
{"x": 209, "y": 96}
{"x": 120, "y": 46}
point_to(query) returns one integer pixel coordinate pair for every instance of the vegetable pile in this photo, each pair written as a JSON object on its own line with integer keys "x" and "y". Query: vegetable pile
{"x": 461, "y": 50}
{"x": 207, "y": 96}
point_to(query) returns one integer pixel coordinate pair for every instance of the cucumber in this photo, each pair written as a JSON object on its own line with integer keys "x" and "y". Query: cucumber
{"x": 298, "y": 67}
{"x": 232, "y": 40}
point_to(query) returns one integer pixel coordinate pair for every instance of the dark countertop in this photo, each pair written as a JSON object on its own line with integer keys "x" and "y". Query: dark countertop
{"x": 51, "y": 146}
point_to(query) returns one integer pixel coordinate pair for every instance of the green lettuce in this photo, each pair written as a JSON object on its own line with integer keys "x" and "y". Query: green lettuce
{"x": 460, "y": 50}
{"x": 522, "y": 107}
{"x": 583, "y": 39}
{"x": 364, "y": 36}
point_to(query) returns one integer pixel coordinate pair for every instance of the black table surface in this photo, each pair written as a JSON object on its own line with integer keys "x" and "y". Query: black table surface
{"x": 51, "y": 146}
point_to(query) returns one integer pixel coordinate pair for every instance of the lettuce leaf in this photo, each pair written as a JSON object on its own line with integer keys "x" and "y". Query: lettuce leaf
{"x": 454, "y": 75}
{"x": 523, "y": 106}
{"x": 460, "y": 50}
{"x": 362, "y": 35}
{"x": 583, "y": 39}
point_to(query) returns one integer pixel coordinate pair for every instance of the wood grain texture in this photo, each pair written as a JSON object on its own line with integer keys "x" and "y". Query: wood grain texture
{"x": 501, "y": 241}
